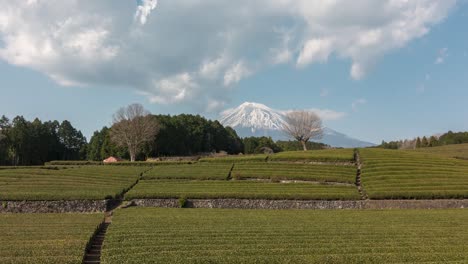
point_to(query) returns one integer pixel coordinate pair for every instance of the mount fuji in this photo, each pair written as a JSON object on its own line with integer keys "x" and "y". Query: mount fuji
{"x": 256, "y": 120}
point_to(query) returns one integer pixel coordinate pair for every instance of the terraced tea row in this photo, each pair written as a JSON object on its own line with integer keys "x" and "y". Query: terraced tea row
{"x": 199, "y": 171}
{"x": 459, "y": 151}
{"x": 154, "y": 235}
{"x": 287, "y": 171}
{"x": 273, "y": 171}
{"x": 241, "y": 189}
{"x": 87, "y": 182}
{"x": 390, "y": 174}
{"x": 45, "y": 238}
{"x": 325, "y": 155}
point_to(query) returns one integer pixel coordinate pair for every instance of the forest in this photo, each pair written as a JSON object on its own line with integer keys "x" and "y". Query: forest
{"x": 24, "y": 142}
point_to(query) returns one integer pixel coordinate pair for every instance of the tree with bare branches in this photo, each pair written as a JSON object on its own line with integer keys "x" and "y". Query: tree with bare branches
{"x": 303, "y": 126}
{"x": 132, "y": 127}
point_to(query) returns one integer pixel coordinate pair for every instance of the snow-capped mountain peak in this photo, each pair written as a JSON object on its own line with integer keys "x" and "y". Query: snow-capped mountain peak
{"x": 254, "y": 119}
{"x": 254, "y": 116}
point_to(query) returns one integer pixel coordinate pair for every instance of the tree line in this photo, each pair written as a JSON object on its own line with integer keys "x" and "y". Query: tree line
{"x": 24, "y": 142}
{"x": 137, "y": 135}
{"x": 448, "y": 138}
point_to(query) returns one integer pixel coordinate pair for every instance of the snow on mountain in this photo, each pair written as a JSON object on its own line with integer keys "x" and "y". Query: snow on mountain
{"x": 254, "y": 119}
{"x": 254, "y": 116}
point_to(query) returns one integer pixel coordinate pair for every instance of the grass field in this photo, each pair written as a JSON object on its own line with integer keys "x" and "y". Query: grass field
{"x": 392, "y": 174}
{"x": 459, "y": 151}
{"x": 87, "y": 182}
{"x": 199, "y": 171}
{"x": 324, "y": 155}
{"x": 241, "y": 190}
{"x": 45, "y": 238}
{"x": 291, "y": 171}
{"x": 155, "y": 235}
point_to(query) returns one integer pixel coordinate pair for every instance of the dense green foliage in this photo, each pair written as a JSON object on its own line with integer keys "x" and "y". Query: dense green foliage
{"x": 156, "y": 235}
{"x": 448, "y": 138}
{"x": 179, "y": 135}
{"x": 100, "y": 147}
{"x": 393, "y": 174}
{"x": 190, "y": 134}
{"x": 199, "y": 171}
{"x": 289, "y": 171}
{"x": 241, "y": 189}
{"x": 297, "y": 146}
{"x": 87, "y": 182}
{"x": 32, "y": 143}
{"x": 45, "y": 238}
{"x": 325, "y": 155}
{"x": 256, "y": 145}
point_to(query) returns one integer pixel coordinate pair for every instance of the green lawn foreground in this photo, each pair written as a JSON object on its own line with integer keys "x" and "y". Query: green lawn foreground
{"x": 157, "y": 235}
{"x": 74, "y": 183}
{"x": 399, "y": 174}
{"x": 45, "y": 238}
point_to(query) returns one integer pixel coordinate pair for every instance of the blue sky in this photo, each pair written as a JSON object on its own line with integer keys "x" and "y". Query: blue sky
{"x": 409, "y": 86}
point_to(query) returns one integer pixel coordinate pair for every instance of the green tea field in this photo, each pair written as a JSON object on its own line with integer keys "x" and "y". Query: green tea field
{"x": 153, "y": 235}
{"x": 74, "y": 183}
{"x": 45, "y": 238}
{"x": 242, "y": 190}
{"x": 393, "y": 174}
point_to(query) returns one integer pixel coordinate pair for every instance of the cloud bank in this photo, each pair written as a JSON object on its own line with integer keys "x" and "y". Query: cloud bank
{"x": 195, "y": 51}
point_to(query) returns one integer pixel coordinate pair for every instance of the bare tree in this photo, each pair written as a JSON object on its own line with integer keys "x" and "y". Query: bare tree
{"x": 303, "y": 126}
{"x": 132, "y": 127}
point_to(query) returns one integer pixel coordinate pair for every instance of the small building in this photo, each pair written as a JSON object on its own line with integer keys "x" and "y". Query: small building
{"x": 112, "y": 160}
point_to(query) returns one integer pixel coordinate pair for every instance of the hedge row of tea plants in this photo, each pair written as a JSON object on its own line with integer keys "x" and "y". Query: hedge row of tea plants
{"x": 397, "y": 174}
{"x": 241, "y": 189}
{"x": 157, "y": 235}
{"x": 45, "y": 238}
{"x": 199, "y": 171}
{"x": 87, "y": 182}
{"x": 290, "y": 171}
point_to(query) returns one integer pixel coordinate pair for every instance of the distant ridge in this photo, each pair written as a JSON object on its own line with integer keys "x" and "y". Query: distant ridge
{"x": 255, "y": 119}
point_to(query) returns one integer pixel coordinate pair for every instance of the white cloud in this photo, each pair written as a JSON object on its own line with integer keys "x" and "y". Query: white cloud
{"x": 144, "y": 10}
{"x": 196, "y": 51}
{"x": 355, "y": 105}
{"x": 236, "y": 73}
{"x": 442, "y": 55}
{"x": 172, "y": 90}
{"x": 315, "y": 50}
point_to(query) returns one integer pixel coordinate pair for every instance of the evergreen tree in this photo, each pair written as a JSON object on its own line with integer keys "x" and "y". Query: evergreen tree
{"x": 418, "y": 142}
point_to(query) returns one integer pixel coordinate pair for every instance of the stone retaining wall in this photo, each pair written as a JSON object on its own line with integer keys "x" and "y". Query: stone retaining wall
{"x": 295, "y": 204}
{"x": 85, "y": 206}
{"x": 77, "y": 206}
